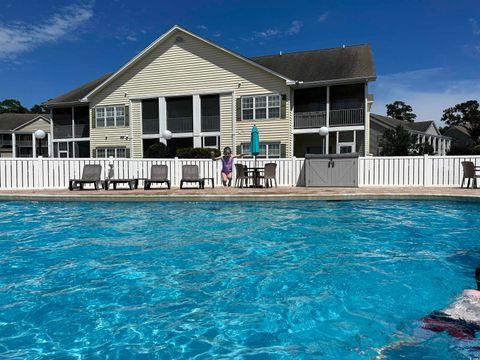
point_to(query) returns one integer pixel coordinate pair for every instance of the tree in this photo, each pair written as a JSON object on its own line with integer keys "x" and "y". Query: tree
{"x": 400, "y": 110}
{"x": 39, "y": 109}
{"x": 398, "y": 142}
{"x": 466, "y": 114}
{"x": 12, "y": 105}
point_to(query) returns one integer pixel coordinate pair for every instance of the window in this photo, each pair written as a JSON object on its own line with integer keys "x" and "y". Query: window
{"x": 110, "y": 116}
{"x": 113, "y": 152}
{"x": 267, "y": 150}
{"x": 210, "y": 141}
{"x": 260, "y": 107}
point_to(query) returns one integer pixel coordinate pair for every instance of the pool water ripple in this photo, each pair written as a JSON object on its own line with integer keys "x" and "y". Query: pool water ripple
{"x": 230, "y": 280}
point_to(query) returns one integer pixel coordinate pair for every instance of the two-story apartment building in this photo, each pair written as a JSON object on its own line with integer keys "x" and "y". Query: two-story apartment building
{"x": 209, "y": 96}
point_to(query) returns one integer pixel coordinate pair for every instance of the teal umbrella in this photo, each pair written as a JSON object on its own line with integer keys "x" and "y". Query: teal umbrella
{"x": 255, "y": 143}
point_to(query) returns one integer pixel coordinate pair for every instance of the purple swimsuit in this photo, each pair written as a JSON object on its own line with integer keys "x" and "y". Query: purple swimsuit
{"x": 227, "y": 164}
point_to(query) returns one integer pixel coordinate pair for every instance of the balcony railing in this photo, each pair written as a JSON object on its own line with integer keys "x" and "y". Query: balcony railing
{"x": 347, "y": 117}
{"x": 62, "y": 131}
{"x": 210, "y": 123}
{"x": 311, "y": 119}
{"x": 180, "y": 124}
{"x": 316, "y": 119}
{"x": 150, "y": 126}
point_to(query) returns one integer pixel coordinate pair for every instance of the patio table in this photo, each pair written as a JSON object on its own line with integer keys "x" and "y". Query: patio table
{"x": 255, "y": 171}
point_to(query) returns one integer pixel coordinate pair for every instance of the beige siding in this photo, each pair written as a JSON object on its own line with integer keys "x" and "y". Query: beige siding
{"x": 226, "y": 121}
{"x": 36, "y": 125}
{"x": 110, "y": 136}
{"x": 188, "y": 67}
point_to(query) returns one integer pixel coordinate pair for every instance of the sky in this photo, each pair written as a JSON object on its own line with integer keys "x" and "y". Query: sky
{"x": 427, "y": 53}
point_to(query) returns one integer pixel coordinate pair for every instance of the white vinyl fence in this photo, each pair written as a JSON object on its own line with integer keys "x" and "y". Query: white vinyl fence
{"x": 54, "y": 173}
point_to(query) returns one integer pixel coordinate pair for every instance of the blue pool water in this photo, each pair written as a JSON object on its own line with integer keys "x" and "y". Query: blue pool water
{"x": 275, "y": 280}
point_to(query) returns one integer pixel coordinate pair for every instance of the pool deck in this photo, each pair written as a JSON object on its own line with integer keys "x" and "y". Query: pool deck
{"x": 233, "y": 194}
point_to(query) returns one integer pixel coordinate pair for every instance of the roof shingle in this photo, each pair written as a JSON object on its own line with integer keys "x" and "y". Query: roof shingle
{"x": 78, "y": 93}
{"x": 11, "y": 121}
{"x": 322, "y": 65}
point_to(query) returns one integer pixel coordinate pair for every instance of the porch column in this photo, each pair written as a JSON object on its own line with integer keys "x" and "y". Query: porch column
{"x": 49, "y": 144}
{"x": 162, "y": 117}
{"x": 197, "y": 121}
{"x": 34, "y": 146}
{"x": 327, "y": 119}
{"x": 14, "y": 145}
{"x": 366, "y": 122}
{"x": 434, "y": 144}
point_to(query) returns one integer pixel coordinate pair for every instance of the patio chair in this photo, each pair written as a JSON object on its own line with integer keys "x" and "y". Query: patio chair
{"x": 269, "y": 174}
{"x": 158, "y": 175}
{"x": 469, "y": 173}
{"x": 242, "y": 175}
{"x": 91, "y": 175}
{"x": 191, "y": 174}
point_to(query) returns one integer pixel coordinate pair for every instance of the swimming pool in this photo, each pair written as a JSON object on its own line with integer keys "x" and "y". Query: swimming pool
{"x": 271, "y": 280}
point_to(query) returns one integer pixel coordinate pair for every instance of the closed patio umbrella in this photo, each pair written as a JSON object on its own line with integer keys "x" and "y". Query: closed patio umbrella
{"x": 255, "y": 143}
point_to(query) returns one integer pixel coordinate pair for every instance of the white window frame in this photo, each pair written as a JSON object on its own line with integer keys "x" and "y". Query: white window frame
{"x": 217, "y": 143}
{"x": 106, "y": 151}
{"x": 103, "y": 109}
{"x": 268, "y": 98}
{"x": 267, "y": 150}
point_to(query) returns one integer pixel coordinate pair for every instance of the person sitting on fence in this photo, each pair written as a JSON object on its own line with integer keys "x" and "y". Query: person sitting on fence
{"x": 227, "y": 165}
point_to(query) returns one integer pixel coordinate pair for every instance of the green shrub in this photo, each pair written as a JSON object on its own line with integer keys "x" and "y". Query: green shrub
{"x": 475, "y": 149}
{"x": 197, "y": 153}
{"x": 156, "y": 151}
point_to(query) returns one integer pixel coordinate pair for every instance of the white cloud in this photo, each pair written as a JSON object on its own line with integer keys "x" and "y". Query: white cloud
{"x": 475, "y": 26}
{"x": 270, "y": 33}
{"x": 131, "y": 37}
{"x": 323, "y": 17}
{"x": 267, "y": 34}
{"x": 202, "y": 27}
{"x": 294, "y": 27}
{"x": 426, "y": 90}
{"x": 20, "y": 37}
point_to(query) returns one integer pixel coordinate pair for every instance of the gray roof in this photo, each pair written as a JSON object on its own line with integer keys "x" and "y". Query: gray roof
{"x": 78, "y": 93}
{"x": 11, "y": 121}
{"x": 317, "y": 65}
{"x": 322, "y": 65}
{"x": 420, "y": 126}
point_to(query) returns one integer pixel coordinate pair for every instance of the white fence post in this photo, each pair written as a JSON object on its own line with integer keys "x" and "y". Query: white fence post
{"x": 38, "y": 171}
{"x": 427, "y": 171}
{"x": 293, "y": 171}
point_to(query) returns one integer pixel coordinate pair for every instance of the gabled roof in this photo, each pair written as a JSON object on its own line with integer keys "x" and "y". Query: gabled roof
{"x": 78, "y": 93}
{"x": 350, "y": 62}
{"x": 459, "y": 128}
{"x": 419, "y": 126}
{"x": 150, "y": 47}
{"x": 14, "y": 121}
{"x": 326, "y": 65}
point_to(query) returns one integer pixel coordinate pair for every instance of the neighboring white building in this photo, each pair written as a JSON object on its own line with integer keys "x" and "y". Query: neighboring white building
{"x": 426, "y": 132}
{"x": 17, "y": 137}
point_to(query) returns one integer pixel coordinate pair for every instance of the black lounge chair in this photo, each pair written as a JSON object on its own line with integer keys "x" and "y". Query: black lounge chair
{"x": 191, "y": 174}
{"x": 91, "y": 175}
{"x": 158, "y": 175}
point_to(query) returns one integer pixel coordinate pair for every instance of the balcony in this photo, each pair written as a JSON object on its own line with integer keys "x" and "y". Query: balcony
{"x": 211, "y": 123}
{"x": 309, "y": 120}
{"x": 62, "y": 131}
{"x": 180, "y": 124}
{"x": 317, "y": 119}
{"x": 150, "y": 126}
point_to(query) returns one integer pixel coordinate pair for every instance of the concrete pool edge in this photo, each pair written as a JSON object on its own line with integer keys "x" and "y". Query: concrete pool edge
{"x": 95, "y": 197}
